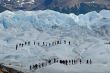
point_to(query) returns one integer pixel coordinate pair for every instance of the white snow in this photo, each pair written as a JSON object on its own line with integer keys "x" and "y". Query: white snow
{"x": 88, "y": 34}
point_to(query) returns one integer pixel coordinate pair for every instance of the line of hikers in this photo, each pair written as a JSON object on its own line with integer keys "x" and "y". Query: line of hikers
{"x": 44, "y": 64}
{"x": 28, "y": 43}
{"x": 65, "y": 62}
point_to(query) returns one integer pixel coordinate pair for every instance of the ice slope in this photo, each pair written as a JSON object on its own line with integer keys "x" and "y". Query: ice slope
{"x": 88, "y": 34}
{"x": 46, "y": 20}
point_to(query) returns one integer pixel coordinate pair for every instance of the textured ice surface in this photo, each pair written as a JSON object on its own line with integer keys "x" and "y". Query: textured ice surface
{"x": 88, "y": 34}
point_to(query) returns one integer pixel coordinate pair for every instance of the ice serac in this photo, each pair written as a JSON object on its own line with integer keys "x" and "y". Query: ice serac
{"x": 37, "y": 19}
{"x": 52, "y": 22}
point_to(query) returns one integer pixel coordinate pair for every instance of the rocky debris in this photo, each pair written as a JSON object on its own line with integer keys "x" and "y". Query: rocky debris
{"x": 4, "y": 69}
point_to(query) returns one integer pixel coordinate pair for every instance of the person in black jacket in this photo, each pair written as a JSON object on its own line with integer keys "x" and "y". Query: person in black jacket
{"x": 49, "y": 61}
{"x": 66, "y": 62}
{"x": 69, "y": 42}
{"x": 57, "y": 42}
{"x": 34, "y": 43}
{"x": 25, "y": 43}
{"x": 69, "y": 61}
{"x": 22, "y": 44}
{"x": 30, "y": 67}
{"x": 63, "y": 62}
{"x": 60, "y": 61}
{"x": 87, "y": 61}
{"x": 80, "y": 61}
{"x": 19, "y": 44}
{"x": 42, "y": 64}
{"x": 54, "y": 60}
{"x": 16, "y": 47}
{"x": 43, "y": 43}
{"x": 72, "y": 61}
{"x": 36, "y": 66}
{"x": 46, "y": 63}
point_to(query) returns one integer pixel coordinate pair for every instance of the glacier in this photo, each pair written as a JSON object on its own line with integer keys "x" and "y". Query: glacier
{"x": 87, "y": 32}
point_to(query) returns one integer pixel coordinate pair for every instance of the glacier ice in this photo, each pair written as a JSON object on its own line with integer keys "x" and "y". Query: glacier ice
{"x": 87, "y": 32}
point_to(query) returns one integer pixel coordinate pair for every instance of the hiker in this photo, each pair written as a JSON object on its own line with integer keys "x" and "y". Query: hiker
{"x": 34, "y": 43}
{"x": 87, "y": 62}
{"x": 49, "y": 61}
{"x": 90, "y": 61}
{"x": 28, "y": 42}
{"x": 54, "y": 60}
{"x": 43, "y": 43}
{"x": 72, "y": 61}
{"x": 36, "y": 66}
{"x": 69, "y": 42}
{"x": 60, "y": 61}
{"x": 19, "y": 44}
{"x": 63, "y": 62}
{"x": 25, "y": 43}
{"x": 49, "y": 44}
{"x": 46, "y": 44}
{"x": 57, "y": 42}
{"x": 30, "y": 67}
{"x": 107, "y": 43}
{"x": 42, "y": 64}
{"x": 80, "y": 61}
{"x": 38, "y": 43}
{"x": 66, "y": 62}
{"x": 69, "y": 61}
{"x": 64, "y": 41}
{"x": 22, "y": 44}
{"x": 16, "y": 47}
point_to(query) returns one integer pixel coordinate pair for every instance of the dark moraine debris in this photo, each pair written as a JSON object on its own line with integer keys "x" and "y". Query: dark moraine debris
{"x": 4, "y": 69}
